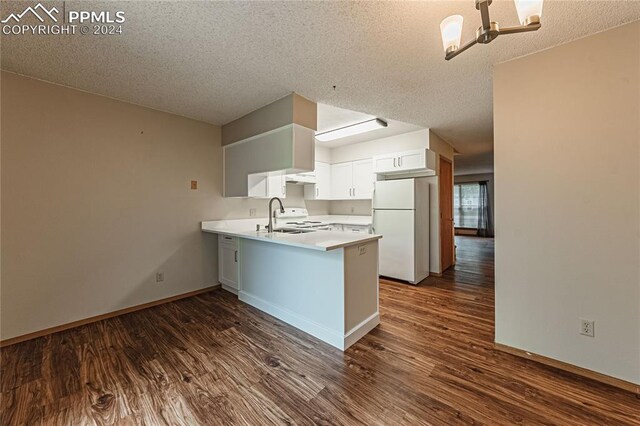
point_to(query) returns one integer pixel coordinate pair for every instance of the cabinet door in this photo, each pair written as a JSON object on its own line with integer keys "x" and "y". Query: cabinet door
{"x": 385, "y": 164}
{"x": 277, "y": 185}
{"x": 363, "y": 179}
{"x": 412, "y": 160}
{"x": 311, "y": 192}
{"x": 257, "y": 184}
{"x": 341, "y": 181}
{"x": 228, "y": 264}
{"x": 323, "y": 181}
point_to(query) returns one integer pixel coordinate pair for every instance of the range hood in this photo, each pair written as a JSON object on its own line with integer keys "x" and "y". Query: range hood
{"x": 301, "y": 178}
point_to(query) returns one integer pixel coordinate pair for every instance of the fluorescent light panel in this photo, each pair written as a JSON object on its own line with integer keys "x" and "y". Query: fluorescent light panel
{"x": 353, "y": 129}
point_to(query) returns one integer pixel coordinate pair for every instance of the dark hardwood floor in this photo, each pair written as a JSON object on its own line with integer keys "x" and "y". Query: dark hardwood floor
{"x": 213, "y": 360}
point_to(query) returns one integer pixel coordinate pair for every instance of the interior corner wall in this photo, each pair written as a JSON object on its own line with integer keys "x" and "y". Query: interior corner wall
{"x": 96, "y": 199}
{"x": 567, "y": 183}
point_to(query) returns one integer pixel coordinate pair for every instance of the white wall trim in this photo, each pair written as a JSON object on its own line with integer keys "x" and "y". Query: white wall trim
{"x": 360, "y": 330}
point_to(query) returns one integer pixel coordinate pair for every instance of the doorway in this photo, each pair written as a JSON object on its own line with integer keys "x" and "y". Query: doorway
{"x": 446, "y": 214}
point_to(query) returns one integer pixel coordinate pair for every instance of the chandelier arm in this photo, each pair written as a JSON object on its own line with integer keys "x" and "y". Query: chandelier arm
{"x": 483, "y": 7}
{"x": 454, "y": 53}
{"x": 520, "y": 29}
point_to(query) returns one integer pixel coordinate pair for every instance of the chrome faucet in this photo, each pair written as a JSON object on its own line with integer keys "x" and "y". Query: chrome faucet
{"x": 272, "y": 213}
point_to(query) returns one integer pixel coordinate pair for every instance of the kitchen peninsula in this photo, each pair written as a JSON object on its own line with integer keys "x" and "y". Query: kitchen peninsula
{"x": 324, "y": 283}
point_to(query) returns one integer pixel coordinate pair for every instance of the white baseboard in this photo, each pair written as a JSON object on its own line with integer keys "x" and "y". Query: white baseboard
{"x": 229, "y": 289}
{"x": 332, "y": 337}
{"x": 361, "y": 330}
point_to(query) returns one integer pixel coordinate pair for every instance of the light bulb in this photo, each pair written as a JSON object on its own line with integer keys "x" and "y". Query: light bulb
{"x": 527, "y": 9}
{"x": 451, "y": 29}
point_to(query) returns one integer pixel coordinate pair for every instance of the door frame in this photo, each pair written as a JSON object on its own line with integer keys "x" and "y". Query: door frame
{"x": 453, "y": 241}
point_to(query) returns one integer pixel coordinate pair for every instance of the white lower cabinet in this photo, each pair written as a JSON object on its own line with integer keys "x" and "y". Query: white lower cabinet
{"x": 228, "y": 262}
{"x": 362, "y": 229}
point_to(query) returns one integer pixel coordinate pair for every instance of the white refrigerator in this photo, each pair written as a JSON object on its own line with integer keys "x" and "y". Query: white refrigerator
{"x": 401, "y": 216}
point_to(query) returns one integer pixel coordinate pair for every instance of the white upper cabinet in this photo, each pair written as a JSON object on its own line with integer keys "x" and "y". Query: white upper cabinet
{"x": 276, "y": 185}
{"x": 352, "y": 180}
{"x": 420, "y": 160}
{"x": 323, "y": 181}
{"x": 321, "y": 190}
{"x": 277, "y": 136}
{"x": 288, "y": 148}
{"x": 267, "y": 185}
{"x": 363, "y": 180}
{"x": 341, "y": 181}
{"x": 386, "y": 163}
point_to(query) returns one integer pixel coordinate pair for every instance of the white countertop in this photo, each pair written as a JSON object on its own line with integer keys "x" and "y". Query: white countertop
{"x": 316, "y": 240}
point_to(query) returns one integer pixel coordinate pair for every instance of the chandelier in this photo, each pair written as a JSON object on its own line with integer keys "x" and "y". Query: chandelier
{"x": 529, "y": 13}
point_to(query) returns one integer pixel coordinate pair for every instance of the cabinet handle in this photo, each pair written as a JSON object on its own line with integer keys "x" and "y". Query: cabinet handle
{"x": 235, "y": 256}
{"x": 354, "y": 192}
{"x": 399, "y": 161}
{"x": 317, "y": 192}
{"x": 394, "y": 162}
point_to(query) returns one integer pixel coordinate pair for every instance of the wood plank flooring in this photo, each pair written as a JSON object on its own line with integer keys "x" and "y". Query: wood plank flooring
{"x": 213, "y": 360}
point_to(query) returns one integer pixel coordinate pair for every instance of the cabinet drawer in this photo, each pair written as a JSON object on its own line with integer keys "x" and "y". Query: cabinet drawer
{"x": 228, "y": 239}
{"x": 363, "y": 229}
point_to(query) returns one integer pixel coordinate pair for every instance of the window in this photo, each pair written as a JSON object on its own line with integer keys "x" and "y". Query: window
{"x": 466, "y": 205}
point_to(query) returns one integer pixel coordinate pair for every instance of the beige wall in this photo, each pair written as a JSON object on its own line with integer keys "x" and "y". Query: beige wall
{"x": 567, "y": 183}
{"x": 96, "y": 199}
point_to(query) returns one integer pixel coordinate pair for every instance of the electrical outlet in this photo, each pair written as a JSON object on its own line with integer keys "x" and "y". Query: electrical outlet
{"x": 587, "y": 327}
{"x": 159, "y": 277}
{"x": 252, "y": 212}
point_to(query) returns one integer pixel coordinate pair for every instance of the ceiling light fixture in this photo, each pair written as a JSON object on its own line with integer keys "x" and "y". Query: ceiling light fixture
{"x": 529, "y": 13}
{"x": 353, "y": 129}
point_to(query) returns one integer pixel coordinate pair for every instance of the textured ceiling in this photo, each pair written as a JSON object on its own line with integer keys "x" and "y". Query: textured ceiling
{"x": 216, "y": 61}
